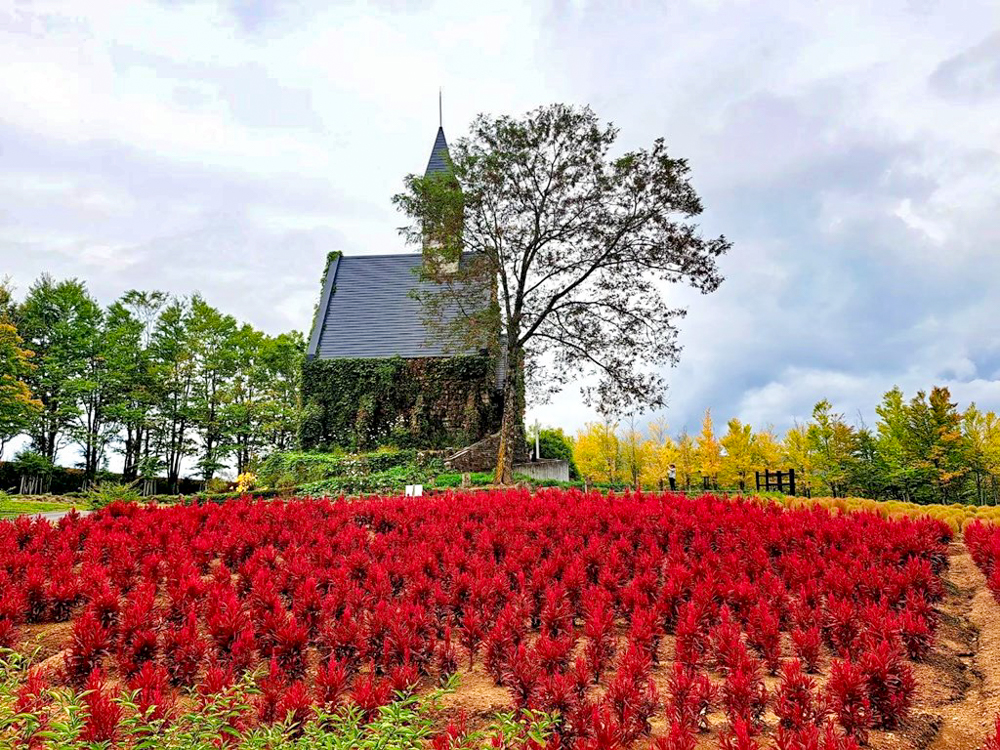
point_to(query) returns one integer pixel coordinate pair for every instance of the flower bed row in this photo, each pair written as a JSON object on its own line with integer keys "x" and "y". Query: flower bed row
{"x": 604, "y": 611}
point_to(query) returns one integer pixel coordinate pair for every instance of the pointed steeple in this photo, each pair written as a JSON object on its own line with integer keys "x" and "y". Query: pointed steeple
{"x": 440, "y": 158}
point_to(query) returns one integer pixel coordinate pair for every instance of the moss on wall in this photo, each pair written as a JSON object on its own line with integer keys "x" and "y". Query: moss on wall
{"x": 358, "y": 404}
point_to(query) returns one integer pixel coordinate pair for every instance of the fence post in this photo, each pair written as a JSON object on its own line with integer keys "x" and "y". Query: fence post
{"x": 791, "y": 481}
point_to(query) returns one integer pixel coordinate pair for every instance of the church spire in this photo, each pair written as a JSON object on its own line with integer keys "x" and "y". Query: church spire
{"x": 440, "y": 157}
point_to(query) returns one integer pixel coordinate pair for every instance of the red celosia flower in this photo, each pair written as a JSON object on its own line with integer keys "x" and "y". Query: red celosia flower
{"x": 154, "y": 699}
{"x": 101, "y": 713}
{"x": 90, "y": 643}
{"x": 848, "y": 691}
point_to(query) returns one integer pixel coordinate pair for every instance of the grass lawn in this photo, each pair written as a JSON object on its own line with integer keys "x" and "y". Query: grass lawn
{"x": 12, "y": 506}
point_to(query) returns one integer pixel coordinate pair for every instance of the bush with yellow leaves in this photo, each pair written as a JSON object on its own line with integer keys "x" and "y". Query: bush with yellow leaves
{"x": 246, "y": 482}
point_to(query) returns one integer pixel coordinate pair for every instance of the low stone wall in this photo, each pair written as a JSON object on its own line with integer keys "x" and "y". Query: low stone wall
{"x": 480, "y": 456}
{"x": 546, "y": 468}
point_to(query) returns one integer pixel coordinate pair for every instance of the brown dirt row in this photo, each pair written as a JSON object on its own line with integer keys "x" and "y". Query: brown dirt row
{"x": 970, "y": 655}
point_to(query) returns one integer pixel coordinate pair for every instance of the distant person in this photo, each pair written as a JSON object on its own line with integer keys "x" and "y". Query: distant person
{"x": 672, "y": 476}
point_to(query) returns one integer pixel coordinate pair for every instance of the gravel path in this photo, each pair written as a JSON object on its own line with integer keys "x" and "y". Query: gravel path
{"x": 54, "y": 515}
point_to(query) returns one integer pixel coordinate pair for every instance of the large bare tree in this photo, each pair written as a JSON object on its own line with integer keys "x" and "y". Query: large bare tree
{"x": 575, "y": 247}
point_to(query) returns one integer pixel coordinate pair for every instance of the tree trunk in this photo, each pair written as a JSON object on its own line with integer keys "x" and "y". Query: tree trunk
{"x": 511, "y": 427}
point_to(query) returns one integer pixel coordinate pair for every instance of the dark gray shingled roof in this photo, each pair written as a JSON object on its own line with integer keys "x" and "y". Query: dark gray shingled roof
{"x": 367, "y": 310}
{"x": 439, "y": 155}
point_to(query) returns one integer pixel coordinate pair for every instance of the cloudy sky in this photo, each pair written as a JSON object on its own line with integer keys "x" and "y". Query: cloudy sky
{"x": 850, "y": 150}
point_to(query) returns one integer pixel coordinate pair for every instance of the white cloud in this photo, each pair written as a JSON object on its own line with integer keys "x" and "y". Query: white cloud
{"x": 850, "y": 150}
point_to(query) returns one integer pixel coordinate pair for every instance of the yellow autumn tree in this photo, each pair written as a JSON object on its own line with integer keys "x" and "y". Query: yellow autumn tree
{"x": 982, "y": 434}
{"x": 598, "y": 452}
{"x": 686, "y": 461}
{"x": 797, "y": 453}
{"x": 636, "y": 455}
{"x": 17, "y": 406}
{"x": 767, "y": 449}
{"x": 709, "y": 451}
{"x": 661, "y": 452}
{"x": 740, "y": 454}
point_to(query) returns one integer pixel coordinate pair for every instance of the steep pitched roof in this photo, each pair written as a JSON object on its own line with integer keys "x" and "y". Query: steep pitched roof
{"x": 367, "y": 311}
{"x": 439, "y": 155}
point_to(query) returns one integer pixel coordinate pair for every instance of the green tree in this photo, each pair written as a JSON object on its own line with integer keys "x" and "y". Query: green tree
{"x": 8, "y": 309}
{"x": 869, "y": 472}
{"x": 892, "y": 436}
{"x": 982, "y": 435}
{"x": 282, "y": 357}
{"x": 59, "y": 322}
{"x": 96, "y": 388}
{"x": 833, "y": 444}
{"x": 130, "y": 325}
{"x": 936, "y": 446}
{"x": 574, "y": 245}
{"x": 175, "y": 373}
{"x": 212, "y": 337}
{"x": 553, "y": 443}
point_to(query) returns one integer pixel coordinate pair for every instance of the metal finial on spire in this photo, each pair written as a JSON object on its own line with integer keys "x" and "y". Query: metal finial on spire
{"x": 440, "y": 109}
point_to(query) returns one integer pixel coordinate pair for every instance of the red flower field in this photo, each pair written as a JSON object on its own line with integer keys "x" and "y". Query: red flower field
{"x": 639, "y": 619}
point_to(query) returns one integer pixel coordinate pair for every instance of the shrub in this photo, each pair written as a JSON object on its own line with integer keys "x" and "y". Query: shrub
{"x": 889, "y": 681}
{"x": 744, "y": 695}
{"x": 369, "y": 694}
{"x": 184, "y": 650}
{"x": 153, "y": 699}
{"x": 741, "y": 736}
{"x": 102, "y": 713}
{"x": 795, "y": 702}
{"x": 90, "y": 643}
{"x": 692, "y": 696}
{"x": 680, "y": 736}
{"x": 848, "y": 691}
{"x": 103, "y": 494}
{"x": 332, "y": 682}
{"x": 808, "y": 642}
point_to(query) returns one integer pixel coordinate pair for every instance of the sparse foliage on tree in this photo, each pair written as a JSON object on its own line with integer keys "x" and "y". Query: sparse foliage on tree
{"x": 575, "y": 244}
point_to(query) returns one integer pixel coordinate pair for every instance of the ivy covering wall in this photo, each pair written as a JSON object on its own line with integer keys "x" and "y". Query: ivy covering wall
{"x": 359, "y": 404}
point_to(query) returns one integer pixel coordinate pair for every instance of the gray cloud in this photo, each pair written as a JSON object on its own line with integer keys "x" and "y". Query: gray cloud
{"x": 850, "y": 151}
{"x": 971, "y": 75}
